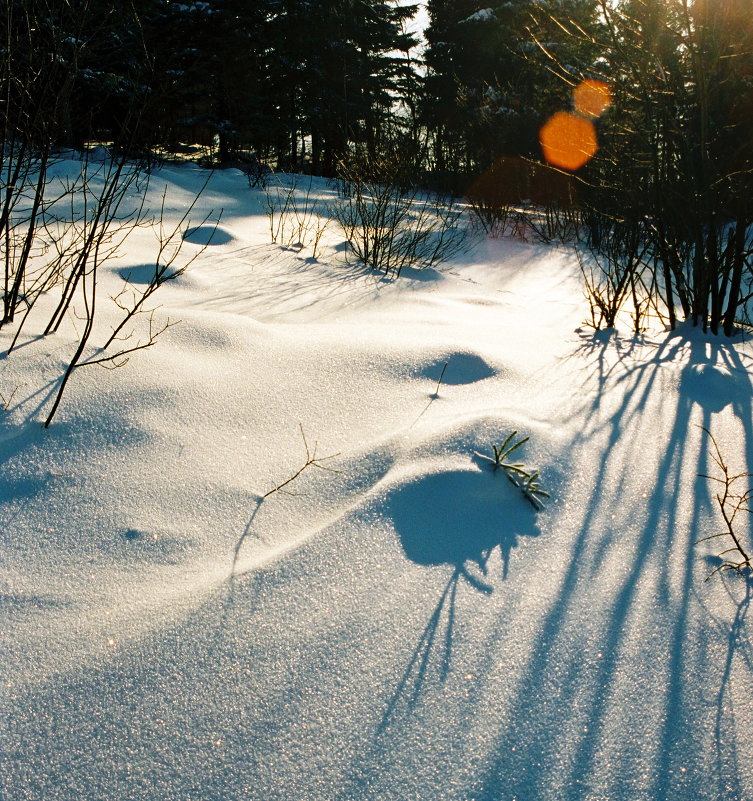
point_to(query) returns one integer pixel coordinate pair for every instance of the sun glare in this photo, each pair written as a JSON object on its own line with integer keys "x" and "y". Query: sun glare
{"x": 592, "y": 98}
{"x": 568, "y": 138}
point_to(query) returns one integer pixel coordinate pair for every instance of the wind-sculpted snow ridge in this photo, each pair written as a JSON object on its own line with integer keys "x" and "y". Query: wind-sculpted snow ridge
{"x": 188, "y": 612}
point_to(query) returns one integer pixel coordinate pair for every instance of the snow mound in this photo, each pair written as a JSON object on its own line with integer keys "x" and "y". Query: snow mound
{"x": 459, "y": 368}
{"x": 208, "y": 235}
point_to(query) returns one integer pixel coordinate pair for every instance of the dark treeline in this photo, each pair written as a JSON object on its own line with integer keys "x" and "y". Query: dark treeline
{"x": 291, "y": 80}
{"x": 304, "y": 85}
{"x": 301, "y": 82}
{"x": 298, "y": 82}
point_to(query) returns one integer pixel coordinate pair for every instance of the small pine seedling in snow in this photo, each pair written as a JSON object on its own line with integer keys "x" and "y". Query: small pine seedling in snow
{"x": 527, "y": 482}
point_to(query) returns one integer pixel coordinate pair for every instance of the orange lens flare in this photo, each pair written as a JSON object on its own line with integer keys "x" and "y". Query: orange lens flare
{"x": 568, "y": 140}
{"x": 592, "y": 98}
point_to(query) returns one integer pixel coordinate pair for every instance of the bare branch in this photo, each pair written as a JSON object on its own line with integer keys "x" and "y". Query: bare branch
{"x": 312, "y": 460}
{"x": 729, "y": 505}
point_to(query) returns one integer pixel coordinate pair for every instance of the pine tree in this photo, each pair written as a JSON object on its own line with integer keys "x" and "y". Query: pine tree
{"x": 490, "y": 80}
{"x": 334, "y": 75}
{"x": 675, "y": 156}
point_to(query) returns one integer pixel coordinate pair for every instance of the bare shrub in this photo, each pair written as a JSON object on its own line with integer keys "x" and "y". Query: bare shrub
{"x": 495, "y": 197}
{"x": 57, "y": 232}
{"x": 525, "y": 199}
{"x": 280, "y": 200}
{"x": 296, "y": 218}
{"x": 167, "y": 267}
{"x": 83, "y": 222}
{"x": 557, "y": 221}
{"x": 612, "y": 263}
{"x": 389, "y": 222}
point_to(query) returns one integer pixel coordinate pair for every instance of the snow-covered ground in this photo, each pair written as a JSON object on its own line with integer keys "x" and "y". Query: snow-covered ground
{"x": 401, "y": 625}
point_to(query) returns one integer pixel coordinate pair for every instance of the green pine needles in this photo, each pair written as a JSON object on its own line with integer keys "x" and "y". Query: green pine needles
{"x": 527, "y": 482}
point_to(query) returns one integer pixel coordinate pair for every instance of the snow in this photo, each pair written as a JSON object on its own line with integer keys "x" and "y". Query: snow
{"x": 402, "y": 625}
{"x": 483, "y": 15}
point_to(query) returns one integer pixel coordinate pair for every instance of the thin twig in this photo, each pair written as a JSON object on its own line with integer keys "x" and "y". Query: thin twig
{"x": 729, "y": 505}
{"x": 6, "y": 402}
{"x": 439, "y": 383}
{"x": 312, "y": 460}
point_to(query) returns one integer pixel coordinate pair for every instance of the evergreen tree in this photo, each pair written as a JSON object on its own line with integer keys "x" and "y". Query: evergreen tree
{"x": 208, "y": 70}
{"x": 490, "y": 82}
{"x": 335, "y": 74}
{"x": 675, "y": 154}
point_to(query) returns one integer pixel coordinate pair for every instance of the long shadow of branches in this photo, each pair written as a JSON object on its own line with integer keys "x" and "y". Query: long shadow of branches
{"x": 280, "y": 282}
{"x": 409, "y": 687}
{"x": 456, "y": 518}
{"x": 712, "y": 376}
{"x": 738, "y": 653}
